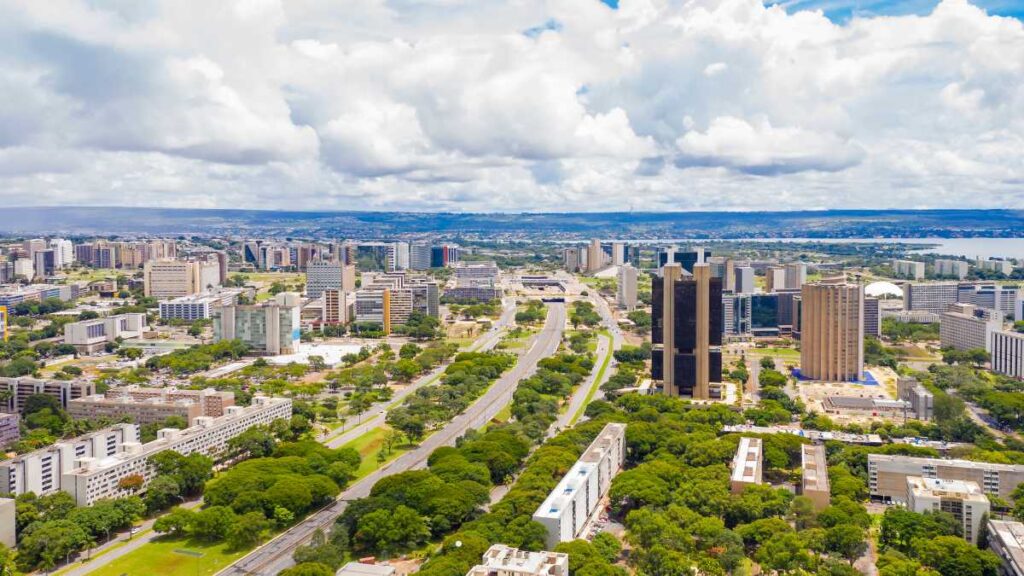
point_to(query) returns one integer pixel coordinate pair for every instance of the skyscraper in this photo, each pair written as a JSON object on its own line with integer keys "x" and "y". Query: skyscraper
{"x": 626, "y": 297}
{"x": 595, "y": 256}
{"x": 796, "y": 275}
{"x": 686, "y": 330}
{"x": 832, "y": 330}
{"x": 744, "y": 280}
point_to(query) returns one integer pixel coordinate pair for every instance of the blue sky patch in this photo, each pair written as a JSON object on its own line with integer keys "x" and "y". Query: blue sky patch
{"x": 551, "y": 24}
{"x": 613, "y": 4}
{"x": 844, "y": 10}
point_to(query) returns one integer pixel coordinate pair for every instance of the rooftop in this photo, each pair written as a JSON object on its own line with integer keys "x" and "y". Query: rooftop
{"x": 748, "y": 456}
{"x": 939, "y": 488}
{"x": 815, "y": 468}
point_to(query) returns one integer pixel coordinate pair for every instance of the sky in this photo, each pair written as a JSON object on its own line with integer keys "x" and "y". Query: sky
{"x": 512, "y": 105}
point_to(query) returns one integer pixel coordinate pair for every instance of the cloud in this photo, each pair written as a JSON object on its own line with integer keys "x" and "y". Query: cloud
{"x": 494, "y": 105}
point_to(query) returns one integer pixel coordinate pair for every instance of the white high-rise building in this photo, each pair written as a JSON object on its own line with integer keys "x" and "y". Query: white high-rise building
{"x": 618, "y": 253}
{"x": 322, "y": 276}
{"x": 626, "y": 297}
{"x": 908, "y": 269}
{"x": 63, "y": 252}
{"x": 955, "y": 268}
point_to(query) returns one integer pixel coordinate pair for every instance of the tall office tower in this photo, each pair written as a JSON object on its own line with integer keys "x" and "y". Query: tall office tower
{"x": 908, "y": 269}
{"x": 774, "y": 279}
{"x": 686, "y": 330}
{"x": 723, "y": 268}
{"x": 443, "y": 256}
{"x": 106, "y": 257}
{"x": 269, "y": 328}
{"x": 796, "y": 275}
{"x": 251, "y": 253}
{"x": 744, "y": 280}
{"x": 736, "y": 313}
{"x": 31, "y": 246}
{"x": 832, "y": 330}
{"x": 84, "y": 254}
{"x": 44, "y": 263}
{"x": 931, "y": 297}
{"x": 626, "y": 297}
{"x": 222, "y": 262}
{"x": 571, "y": 259}
{"x": 335, "y": 306}
{"x": 955, "y": 268}
{"x": 398, "y": 256}
{"x": 618, "y": 253}
{"x": 685, "y": 259}
{"x": 175, "y": 278}
{"x": 419, "y": 256}
{"x": 595, "y": 256}
{"x": 64, "y": 252}
{"x": 322, "y": 276}
{"x": 872, "y": 317}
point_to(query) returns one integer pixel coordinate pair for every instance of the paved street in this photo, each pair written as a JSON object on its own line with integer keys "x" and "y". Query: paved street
{"x": 276, "y": 555}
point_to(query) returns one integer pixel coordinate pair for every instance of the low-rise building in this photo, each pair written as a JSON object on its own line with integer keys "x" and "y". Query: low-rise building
{"x": 10, "y": 432}
{"x": 1006, "y": 540}
{"x": 94, "y": 478}
{"x": 91, "y": 336}
{"x": 8, "y": 517}
{"x": 887, "y": 475}
{"x": 211, "y": 402}
{"x": 501, "y": 560}
{"x": 20, "y": 388}
{"x": 862, "y": 406}
{"x": 1008, "y": 353}
{"x": 148, "y": 411}
{"x": 964, "y": 500}
{"x": 567, "y": 510}
{"x": 814, "y": 481}
{"x": 908, "y": 269}
{"x": 951, "y": 268}
{"x": 198, "y": 306}
{"x": 746, "y": 465}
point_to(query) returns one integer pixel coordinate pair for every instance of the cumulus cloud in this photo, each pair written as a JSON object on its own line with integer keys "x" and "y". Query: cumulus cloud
{"x": 492, "y": 105}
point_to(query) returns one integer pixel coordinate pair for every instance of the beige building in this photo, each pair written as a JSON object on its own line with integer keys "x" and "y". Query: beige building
{"x": 887, "y": 475}
{"x": 966, "y": 327}
{"x": 746, "y": 465}
{"x": 964, "y": 500}
{"x": 501, "y": 560}
{"x": 814, "y": 480}
{"x": 774, "y": 279}
{"x": 19, "y": 389}
{"x": 141, "y": 412}
{"x": 175, "y": 278}
{"x": 832, "y": 331}
{"x": 595, "y": 256}
{"x": 626, "y": 295}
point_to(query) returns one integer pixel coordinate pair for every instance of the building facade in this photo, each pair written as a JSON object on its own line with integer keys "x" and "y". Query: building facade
{"x": 951, "y": 268}
{"x": 887, "y": 475}
{"x": 501, "y": 560}
{"x": 832, "y": 331}
{"x": 964, "y": 500}
{"x": 686, "y": 331}
{"x": 90, "y": 336}
{"x": 625, "y": 295}
{"x": 967, "y": 327}
{"x": 269, "y": 328}
{"x": 175, "y": 278}
{"x": 19, "y": 389}
{"x": 1008, "y": 353}
{"x": 908, "y": 269}
{"x": 814, "y": 475}
{"x": 322, "y": 276}
{"x": 746, "y": 465}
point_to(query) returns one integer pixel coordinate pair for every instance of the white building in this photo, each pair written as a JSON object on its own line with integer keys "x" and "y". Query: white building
{"x": 744, "y": 279}
{"x": 746, "y": 465}
{"x": 908, "y": 269}
{"x": 64, "y": 252}
{"x": 964, "y": 500}
{"x": 966, "y": 327}
{"x": 322, "y": 276}
{"x": 89, "y": 336}
{"x": 933, "y": 297}
{"x": 198, "y": 306}
{"x": 93, "y": 478}
{"x": 1006, "y": 539}
{"x": 566, "y": 511}
{"x": 1008, "y": 353}
{"x": 8, "y": 520}
{"x": 887, "y": 475}
{"x": 626, "y": 296}
{"x": 41, "y": 471}
{"x": 270, "y": 328}
{"x": 501, "y": 560}
{"x": 955, "y": 268}
{"x": 618, "y": 253}
{"x": 1004, "y": 267}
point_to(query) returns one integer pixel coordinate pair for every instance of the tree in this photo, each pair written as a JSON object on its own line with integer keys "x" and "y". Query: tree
{"x": 316, "y": 363}
{"x": 213, "y": 523}
{"x": 784, "y": 553}
{"x": 308, "y": 569}
{"x": 248, "y": 530}
{"x": 162, "y": 492}
{"x": 131, "y": 483}
{"x": 386, "y": 531}
{"x": 175, "y": 522}
{"x": 408, "y": 351}
{"x": 43, "y": 545}
{"x": 953, "y": 556}
{"x": 256, "y": 442}
{"x": 847, "y": 541}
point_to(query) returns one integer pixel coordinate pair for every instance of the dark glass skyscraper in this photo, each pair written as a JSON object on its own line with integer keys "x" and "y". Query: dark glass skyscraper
{"x": 686, "y": 330}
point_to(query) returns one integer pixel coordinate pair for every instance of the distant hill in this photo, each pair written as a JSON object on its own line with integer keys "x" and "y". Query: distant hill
{"x": 816, "y": 224}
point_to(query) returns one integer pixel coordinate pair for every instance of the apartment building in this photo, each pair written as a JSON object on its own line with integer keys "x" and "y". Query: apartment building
{"x": 964, "y": 500}
{"x": 19, "y": 389}
{"x": 198, "y": 306}
{"x": 1006, "y": 540}
{"x": 322, "y": 276}
{"x": 933, "y": 297}
{"x": 887, "y": 475}
{"x": 90, "y": 336}
{"x": 94, "y": 478}
{"x": 335, "y": 307}
{"x": 908, "y": 269}
{"x": 175, "y": 278}
{"x": 141, "y": 412}
{"x": 951, "y": 268}
{"x": 567, "y": 510}
{"x": 211, "y": 402}
{"x": 269, "y": 328}
{"x": 774, "y": 279}
{"x": 832, "y": 330}
{"x": 814, "y": 475}
{"x": 1008, "y": 353}
{"x": 501, "y": 560}
{"x": 625, "y": 295}
{"x": 10, "y": 432}
{"x": 42, "y": 471}
{"x": 571, "y": 259}
{"x": 922, "y": 402}
{"x": 993, "y": 296}
{"x": 966, "y": 327}
{"x": 1004, "y": 267}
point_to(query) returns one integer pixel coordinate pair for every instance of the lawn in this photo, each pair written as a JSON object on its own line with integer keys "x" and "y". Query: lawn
{"x": 368, "y": 445}
{"x": 781, "y": 352}
{"x": 165, "y": 556}
{"x": 597, "y": 379}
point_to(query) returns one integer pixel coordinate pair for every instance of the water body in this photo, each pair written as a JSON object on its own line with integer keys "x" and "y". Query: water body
{"x": 965, "y": 247}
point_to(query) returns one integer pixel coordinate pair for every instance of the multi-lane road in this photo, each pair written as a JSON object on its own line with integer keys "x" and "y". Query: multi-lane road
{"x": 276, "y": 555}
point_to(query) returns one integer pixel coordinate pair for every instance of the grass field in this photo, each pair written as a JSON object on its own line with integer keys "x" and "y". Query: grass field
{"x": 780, "y": 352}
{"x": 368, "y": 445}
{"x": 597, "y": 380}
{"x": 166, "y": 557}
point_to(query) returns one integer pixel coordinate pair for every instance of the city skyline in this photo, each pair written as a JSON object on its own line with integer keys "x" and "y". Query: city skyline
{"x": 498, "y": 107}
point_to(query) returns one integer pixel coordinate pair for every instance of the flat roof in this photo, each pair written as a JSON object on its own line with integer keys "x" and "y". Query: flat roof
{"x": 815, "y": 468}
{"x": 360, "y": 569}
{"x": 939, "y": 488}
{"x": 745, "y": 463}
{"x": 580, "y": 471}
{"x": 945, "y": 462}
{"x": 1011, "y": 536}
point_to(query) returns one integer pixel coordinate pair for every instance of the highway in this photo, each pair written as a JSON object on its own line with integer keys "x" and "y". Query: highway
{"x": 373, "y": 417}
{"x": 276, "y": 555}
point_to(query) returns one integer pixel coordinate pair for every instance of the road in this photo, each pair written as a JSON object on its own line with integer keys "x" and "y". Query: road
{"x": 375, "y": 415}
{"x": 276, "y": 555}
